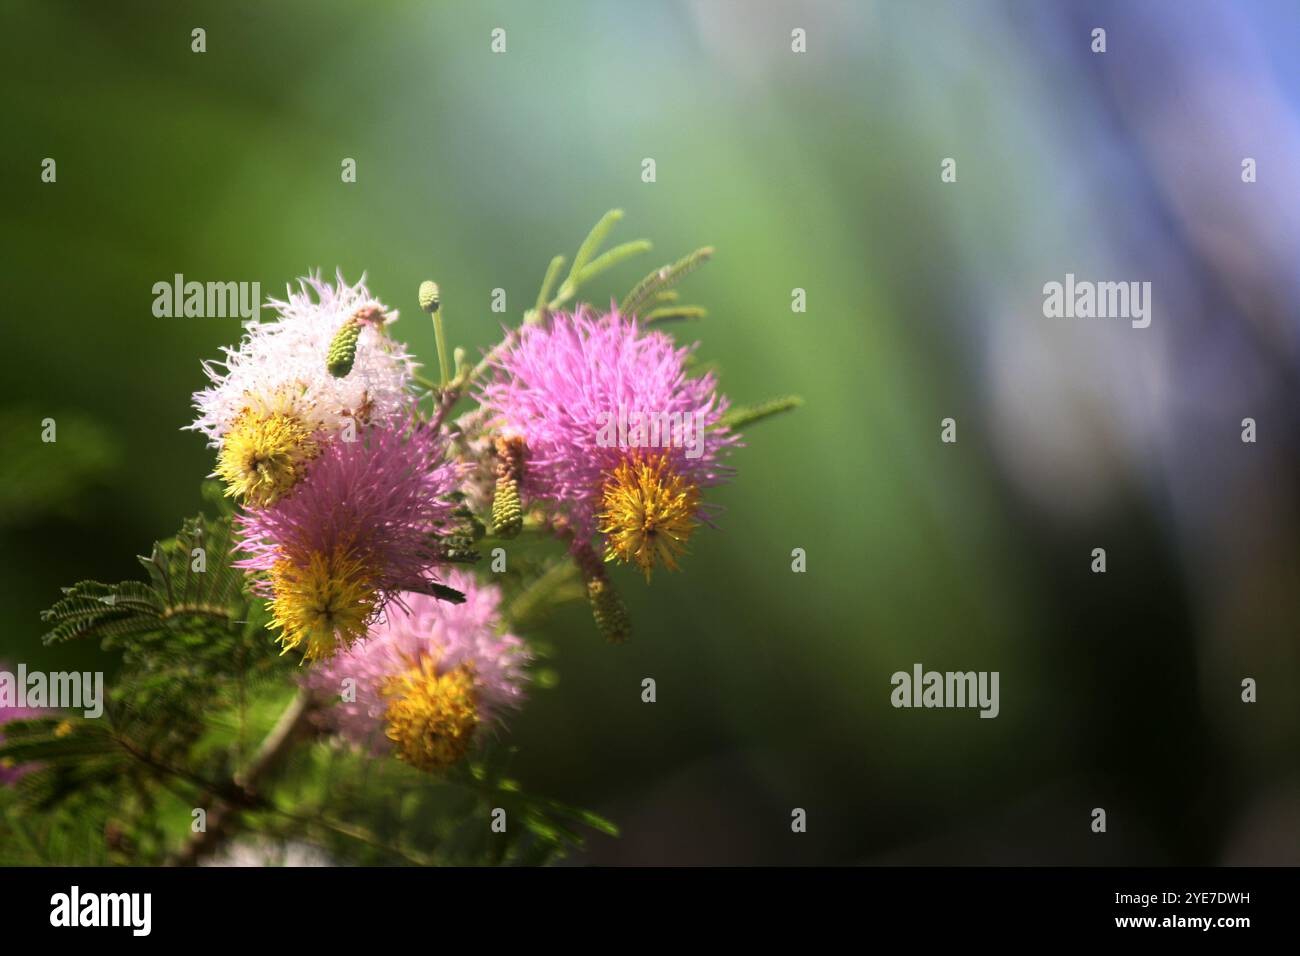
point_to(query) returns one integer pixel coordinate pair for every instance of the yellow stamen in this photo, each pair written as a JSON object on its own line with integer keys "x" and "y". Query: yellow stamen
{"x": 264, "y": 454}
{"x": 431, "y": 717}
{"x": 323, "y": 604}
{"x": 649, "y": 513}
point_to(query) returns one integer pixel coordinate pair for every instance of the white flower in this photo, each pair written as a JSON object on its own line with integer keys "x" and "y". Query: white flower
{"x": 284, "y": 361}
{"x": 259, "y": 852}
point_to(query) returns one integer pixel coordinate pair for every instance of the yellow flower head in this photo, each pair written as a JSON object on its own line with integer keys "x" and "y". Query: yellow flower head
{"x": 431, "y": 717}
{"x": 648, "y": 513}
{"x": 265, "y": 453}
{"x": 324, "y": 602}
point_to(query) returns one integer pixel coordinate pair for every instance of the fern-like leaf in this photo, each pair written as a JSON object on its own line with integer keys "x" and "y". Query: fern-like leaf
{"x": 649, "y": 288}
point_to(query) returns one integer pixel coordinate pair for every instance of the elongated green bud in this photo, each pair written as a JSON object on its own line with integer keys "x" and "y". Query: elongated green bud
{"x": 607, "y": 607}
{"x": 430, "y": 298}
{"x": 507, "y": 509}
{"x": 507, "y": 506}
{"x": 608, "y": 611}
{"x": 343, "y": 350}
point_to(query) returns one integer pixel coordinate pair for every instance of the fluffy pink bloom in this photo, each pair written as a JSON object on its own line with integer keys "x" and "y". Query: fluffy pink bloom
{"x": 450, "y": 636}
{"x": 384, "y": 493}
{"x": 361, "y": 526}
{"x": 562, "y": 385}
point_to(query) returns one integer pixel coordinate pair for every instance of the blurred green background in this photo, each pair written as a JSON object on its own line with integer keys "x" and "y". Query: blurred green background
{"x": 817, "y": 171}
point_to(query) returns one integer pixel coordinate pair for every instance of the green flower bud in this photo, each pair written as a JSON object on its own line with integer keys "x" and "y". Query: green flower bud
{"x": 429, "y": 297}
{"x": 507, "y": 509}
{"x": 608, "y": 610}
{"x": 343, "y": 350}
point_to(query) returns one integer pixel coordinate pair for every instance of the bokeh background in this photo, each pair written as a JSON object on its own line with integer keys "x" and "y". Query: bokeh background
{"x": 820, "y": 171}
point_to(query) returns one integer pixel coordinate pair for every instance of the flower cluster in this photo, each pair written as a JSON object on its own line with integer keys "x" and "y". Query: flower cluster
{"x": 354, "y": 500}
{"x": 344, "y": 490}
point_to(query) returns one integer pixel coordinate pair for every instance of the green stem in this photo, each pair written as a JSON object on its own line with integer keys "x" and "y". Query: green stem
{"x": 442, "y": 348}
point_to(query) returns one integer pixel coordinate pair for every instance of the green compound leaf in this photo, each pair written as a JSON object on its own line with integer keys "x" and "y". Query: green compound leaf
{"x": 674, "y": 313}
{"x": 190, "y": 582}
{"x": 744, "y": 415}
{"x": 595, "y": 239}
{"x": 662, "y": 279}
{"x": 586, "y": 266}
{"x": 611, "y": 258}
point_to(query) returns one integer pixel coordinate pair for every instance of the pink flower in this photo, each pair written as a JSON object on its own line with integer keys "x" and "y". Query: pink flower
{"x": 428, "y": 679}
{"x": 614, "y": 431}
{"x": 587, "y": 392}
{"x": 361, "y": 526}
